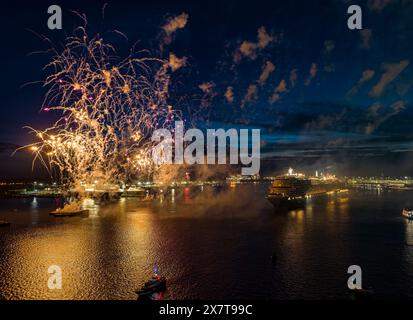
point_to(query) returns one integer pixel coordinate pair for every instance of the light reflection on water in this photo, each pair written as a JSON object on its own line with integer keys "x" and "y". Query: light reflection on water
{"x": 210, "y": 244}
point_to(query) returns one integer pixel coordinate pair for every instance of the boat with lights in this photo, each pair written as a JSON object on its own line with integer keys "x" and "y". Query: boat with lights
{"x": 70, "y": 210}
{"x": 156, "y": 284}
{"x": 408, "y": 213}
{"x": 289, "y": 189}
{"x": 292, "y": 189}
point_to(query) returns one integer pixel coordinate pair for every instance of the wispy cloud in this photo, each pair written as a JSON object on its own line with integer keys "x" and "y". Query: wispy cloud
{"x": 264, "y": 39}
{"x": 252, "y": 94}
{"x": 376, "y": 119}
{"x": 172, "y": 25}
{"x": 176, "y": 63}
{"x": 251, "y": 49}
{"x": 266, "y": 71}
{"x": 325, "y": 121}
{"x": 281, "y": 88}
{"x": 391, "y": 72}
{"x": 365, "y": 76}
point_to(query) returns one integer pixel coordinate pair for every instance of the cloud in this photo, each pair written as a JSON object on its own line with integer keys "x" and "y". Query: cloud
{"x": 229, "y": 94}
{"x": 264, "y": 39}
{"x": 313, "y": 73}
{"x": 331, "y": 121}
{"x": 365, "y": 37}
{"x": 322, "y": 122}
{"x": 377, "y": 5}
{"x": 365, "y": 76}
{"x": 397, "y": 107}
{"x": 248, "y": 49}
{"x": 176, "y": 63}
{"x": 281, "y": 88}
{"x": 266, "y": 71}
{"x": 274, "y": 98}
{"x": 391, "y": 72}
{"x": 251, "y": 49}
{"x": 173, "y": 24}
{"x": 250, "y": 95}
{"x": 376, "y": 120}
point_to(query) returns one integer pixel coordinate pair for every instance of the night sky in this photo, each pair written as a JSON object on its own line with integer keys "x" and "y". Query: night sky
{"x": 324, "y": 96}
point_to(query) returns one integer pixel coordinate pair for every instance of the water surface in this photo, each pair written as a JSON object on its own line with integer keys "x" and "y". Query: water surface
{"x": 210, "y": 244}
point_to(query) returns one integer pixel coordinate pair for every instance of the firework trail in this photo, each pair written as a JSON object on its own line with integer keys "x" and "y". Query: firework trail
{"x": 108, "y": 108}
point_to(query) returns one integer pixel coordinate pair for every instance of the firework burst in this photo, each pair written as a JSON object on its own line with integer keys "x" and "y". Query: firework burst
{"x": 108, "y": 108}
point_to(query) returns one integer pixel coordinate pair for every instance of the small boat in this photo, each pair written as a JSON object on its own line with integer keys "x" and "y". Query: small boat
{"x": 408, "y": 213}
{"x": 60, "y": 213}
{"x": 4, "y": 224}
{"x": 155, "y": 284}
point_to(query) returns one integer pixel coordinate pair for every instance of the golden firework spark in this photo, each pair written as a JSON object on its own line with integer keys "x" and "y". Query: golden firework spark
{"x": 108, "y": 107}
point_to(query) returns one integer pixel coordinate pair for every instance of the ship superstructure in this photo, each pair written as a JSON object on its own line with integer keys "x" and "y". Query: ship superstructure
{"x": 293, "y": 188}
{"x": 290, "y": 188}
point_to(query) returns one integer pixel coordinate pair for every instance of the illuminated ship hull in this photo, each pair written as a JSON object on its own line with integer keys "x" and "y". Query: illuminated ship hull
{"x": 320, "y": 187}
{"x": 293, "y": 190}
{"x": 289, "y": 191}
{"x": 289, "y": 203}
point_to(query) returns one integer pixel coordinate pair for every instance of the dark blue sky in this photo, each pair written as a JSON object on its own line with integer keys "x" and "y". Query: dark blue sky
{"x": 330, "y": 97}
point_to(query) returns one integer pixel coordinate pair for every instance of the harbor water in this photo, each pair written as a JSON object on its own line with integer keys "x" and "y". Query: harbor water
{"x": 210, "y": 244}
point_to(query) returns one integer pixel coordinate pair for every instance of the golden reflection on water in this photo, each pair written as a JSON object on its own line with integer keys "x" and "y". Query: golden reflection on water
{"x": 305, "y": 241}
{"x": 332, "y": 205}
{"x": 206, "y": 246}
{"x": 91, "y": 206}
{"x": 297, "y": 215}
{"x": 82, "y": 248}
{"x": 34, "y": 253}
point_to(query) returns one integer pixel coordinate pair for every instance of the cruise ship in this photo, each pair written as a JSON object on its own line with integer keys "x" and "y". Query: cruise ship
{"x": 289, "y": 189}
{"x": 292, "y": 188}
